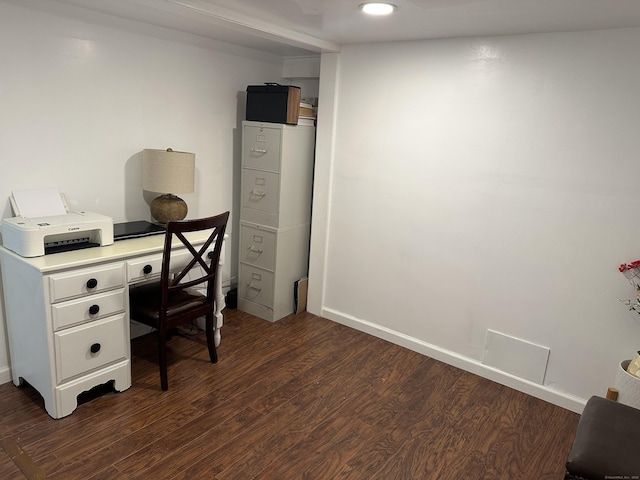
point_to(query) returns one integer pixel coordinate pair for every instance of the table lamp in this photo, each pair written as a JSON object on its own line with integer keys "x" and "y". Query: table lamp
{"x": 169, "y": 173}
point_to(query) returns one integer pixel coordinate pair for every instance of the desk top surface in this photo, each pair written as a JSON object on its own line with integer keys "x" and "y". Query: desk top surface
{"x": 120, "y": 250}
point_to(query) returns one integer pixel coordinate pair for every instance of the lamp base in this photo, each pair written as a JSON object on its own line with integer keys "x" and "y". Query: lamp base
{"x": 168, "y": 208}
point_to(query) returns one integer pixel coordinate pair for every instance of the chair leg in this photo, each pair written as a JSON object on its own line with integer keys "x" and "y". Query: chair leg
{"x": 213, "y": 354}
{"x": 162, "y": 359}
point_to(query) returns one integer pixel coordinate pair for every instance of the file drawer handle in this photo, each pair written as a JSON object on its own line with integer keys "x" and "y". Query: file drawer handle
{"x": 255, "y": 250}
{"x": 95, "y": 348}
{"x": 92, "y": 283}
{"x": 93, "y": 309}
{"x": 251, "y": 286}
{"x": 147, "y": 269}
{"x": 258, "y": 150}
{"x": 257, "y": 193}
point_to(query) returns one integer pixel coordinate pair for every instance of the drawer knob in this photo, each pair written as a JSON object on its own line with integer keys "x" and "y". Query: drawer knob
{"x": 147, "y": 269}
{"x": 92, "y": 283}
{"x": 93, "y": 309}
{"x": 95, "y": 348}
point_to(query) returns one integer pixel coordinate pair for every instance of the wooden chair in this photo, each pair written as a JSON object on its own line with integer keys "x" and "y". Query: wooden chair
{"x": 174, "y": 300}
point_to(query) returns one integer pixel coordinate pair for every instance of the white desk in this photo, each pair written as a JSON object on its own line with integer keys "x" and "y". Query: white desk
{"x": 67, "y": 315}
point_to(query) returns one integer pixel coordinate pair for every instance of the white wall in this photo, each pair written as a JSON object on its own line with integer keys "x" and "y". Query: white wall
{"x": 80, "y": 99}
{"x": 486, "y": 183}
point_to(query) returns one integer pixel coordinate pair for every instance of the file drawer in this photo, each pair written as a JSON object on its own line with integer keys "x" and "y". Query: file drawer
{"x": 257, "y": 247}
{"x": 261, "y": 148}
{"x": 256, "y": 285}
{"x": 90, "y": 346}
{"x": 260, "y": 190}
{"x": 87, "y": 281}
{"x": 85, "y": 309}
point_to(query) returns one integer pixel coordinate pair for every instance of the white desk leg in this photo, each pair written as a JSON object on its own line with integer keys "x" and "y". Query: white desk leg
{"x": 220, "y": 303}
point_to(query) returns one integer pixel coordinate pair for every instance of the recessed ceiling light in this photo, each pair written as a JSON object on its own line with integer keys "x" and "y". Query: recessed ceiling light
{"x": 378, "y": 8}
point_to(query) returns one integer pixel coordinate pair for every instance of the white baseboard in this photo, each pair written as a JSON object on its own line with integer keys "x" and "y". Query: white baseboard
{"x": 5, "y": 375}
{"x": 575, "y": 404}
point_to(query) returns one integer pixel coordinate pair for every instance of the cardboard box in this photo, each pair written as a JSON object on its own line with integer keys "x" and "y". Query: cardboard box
{"x": 273, "y": 103}
{"x": 301, "y": 288}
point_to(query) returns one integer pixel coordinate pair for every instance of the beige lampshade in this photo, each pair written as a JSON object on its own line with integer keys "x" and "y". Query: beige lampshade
{"x": 166, "y": 171}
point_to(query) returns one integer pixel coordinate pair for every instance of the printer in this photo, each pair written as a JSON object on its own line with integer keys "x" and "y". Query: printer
{"x": 43, "y": 224}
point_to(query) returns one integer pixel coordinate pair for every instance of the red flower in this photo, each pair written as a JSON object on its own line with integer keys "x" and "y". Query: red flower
{"x": 625, "y": 266}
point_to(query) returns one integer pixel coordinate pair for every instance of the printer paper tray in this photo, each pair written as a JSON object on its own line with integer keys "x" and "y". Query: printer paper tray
{"x": 68, "y": 247}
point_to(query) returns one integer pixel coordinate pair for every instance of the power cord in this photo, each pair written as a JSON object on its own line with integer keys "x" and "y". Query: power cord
{"x": 191, "y": 331}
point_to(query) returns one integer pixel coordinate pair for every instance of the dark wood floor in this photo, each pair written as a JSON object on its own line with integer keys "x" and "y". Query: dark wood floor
{"x": 303, "y": 398}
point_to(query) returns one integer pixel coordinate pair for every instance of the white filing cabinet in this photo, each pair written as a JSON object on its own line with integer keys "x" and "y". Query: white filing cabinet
{"x": 275, "y": 216}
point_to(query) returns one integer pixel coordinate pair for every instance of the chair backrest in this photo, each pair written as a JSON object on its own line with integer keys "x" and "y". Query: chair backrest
{"x": 173, "y": 280}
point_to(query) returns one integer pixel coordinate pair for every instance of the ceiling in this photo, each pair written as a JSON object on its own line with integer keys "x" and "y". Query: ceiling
{"x": 301, "y": 27}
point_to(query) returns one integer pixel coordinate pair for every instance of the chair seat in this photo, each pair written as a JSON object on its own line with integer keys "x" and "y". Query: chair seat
{"x": 146, "y": 301}
{"x": 606, "y": 442}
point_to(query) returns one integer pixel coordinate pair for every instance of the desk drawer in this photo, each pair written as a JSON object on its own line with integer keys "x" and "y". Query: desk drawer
{"x": 86, "y": 281}
{"x": 256, "y": 284}
{"x": 149, "y": 267}
{"x": 73, "y": 346}
{"x": 89, "y": 308}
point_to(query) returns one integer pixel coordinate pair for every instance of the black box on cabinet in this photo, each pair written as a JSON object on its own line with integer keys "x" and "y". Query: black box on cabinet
{"x": 273, "y": 103}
